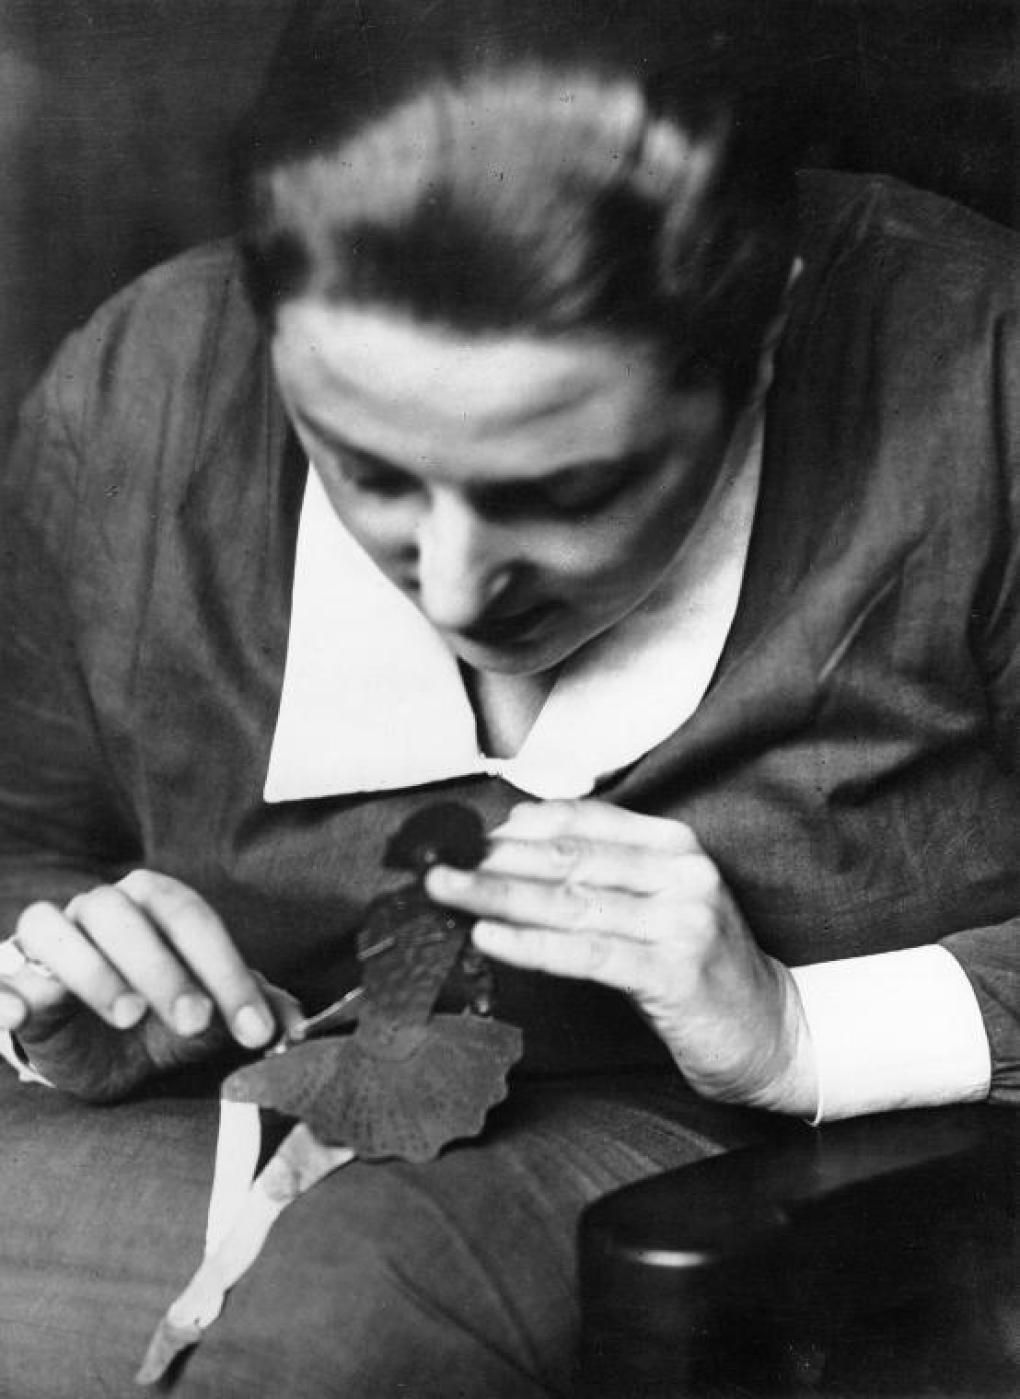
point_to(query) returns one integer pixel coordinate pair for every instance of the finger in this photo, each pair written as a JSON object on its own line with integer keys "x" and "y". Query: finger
{"x": 197, "y": 934}
{"x": 635, "y": 869}
{"x": 15, "y": 964}
{"x": 287, "y": 1009}
{"x": 613, "y": 962}
{"x": 13, "y": 1010}
{"x": 48, "y": 936}
{"x": 535, "y": 903}
{"x": 27, "y": 987}
{"x": 591, "y": 819}
{"x": 128, "y": 940}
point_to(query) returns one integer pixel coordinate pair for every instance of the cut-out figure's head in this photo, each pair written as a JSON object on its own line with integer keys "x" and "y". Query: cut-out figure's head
{"x": 446, "y": 833}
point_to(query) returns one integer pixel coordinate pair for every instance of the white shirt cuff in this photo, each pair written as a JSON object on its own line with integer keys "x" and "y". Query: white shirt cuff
{"x": 10, "y": 1054}
{"x": 895, "y": 1030}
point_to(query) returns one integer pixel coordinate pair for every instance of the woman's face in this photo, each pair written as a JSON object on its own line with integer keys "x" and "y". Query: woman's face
{"x": 525, "y": 493}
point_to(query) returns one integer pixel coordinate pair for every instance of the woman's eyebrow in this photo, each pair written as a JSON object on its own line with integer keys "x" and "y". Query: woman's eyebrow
{"x": 338, "y": 443}
{"x": 559, "y": 475}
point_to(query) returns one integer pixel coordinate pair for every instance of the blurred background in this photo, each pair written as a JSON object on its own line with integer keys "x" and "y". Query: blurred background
{"x": 115, "y": 121}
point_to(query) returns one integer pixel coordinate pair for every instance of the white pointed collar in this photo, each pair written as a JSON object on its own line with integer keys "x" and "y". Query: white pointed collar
{"x": 373, "y": 700}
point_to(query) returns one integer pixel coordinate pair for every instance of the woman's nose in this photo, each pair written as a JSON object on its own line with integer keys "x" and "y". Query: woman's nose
{"x": 461, "y": 565}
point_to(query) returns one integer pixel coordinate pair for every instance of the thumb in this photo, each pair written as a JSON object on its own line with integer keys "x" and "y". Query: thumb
{"x": 286, "y": 1008}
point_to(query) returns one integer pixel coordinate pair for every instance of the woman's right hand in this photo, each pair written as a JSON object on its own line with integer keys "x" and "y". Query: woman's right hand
{"x": 128, "y": 981}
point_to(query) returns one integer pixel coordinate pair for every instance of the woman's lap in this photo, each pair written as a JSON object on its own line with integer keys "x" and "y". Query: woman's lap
{"x": 451, "y": 1279}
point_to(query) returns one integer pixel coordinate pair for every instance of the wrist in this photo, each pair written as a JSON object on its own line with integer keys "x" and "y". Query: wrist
{"x": 779, "y": 1074}
{"x": 761, "y": 1058}
{"x": 792, "y": 1086}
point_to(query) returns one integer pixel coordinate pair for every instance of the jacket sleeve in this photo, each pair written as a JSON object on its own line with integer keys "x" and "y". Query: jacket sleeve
{"x": 991, "y": 956}
{"x": 63, "y": 825}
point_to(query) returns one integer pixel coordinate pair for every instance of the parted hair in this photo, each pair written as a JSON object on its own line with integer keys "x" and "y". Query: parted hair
{"x": 615, "y": 167}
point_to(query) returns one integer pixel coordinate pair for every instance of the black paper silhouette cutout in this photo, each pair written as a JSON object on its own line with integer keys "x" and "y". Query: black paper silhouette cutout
{"x": 407, "y": 1081}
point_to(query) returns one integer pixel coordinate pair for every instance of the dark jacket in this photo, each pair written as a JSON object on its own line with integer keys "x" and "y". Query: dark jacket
{"x": 853, "y": 768}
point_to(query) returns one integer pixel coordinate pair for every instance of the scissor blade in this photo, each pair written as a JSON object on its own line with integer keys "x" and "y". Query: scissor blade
{"x": 332, "y": 1017}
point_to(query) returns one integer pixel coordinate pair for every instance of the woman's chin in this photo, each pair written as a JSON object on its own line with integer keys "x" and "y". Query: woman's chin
{"x": 541, "y": 647}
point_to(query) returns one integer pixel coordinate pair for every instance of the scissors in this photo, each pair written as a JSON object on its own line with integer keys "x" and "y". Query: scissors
{"x": 332, "y": 1017}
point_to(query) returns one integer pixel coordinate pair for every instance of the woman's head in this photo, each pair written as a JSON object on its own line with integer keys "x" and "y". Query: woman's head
{"x": 617, "y": 168}
{"x": 518, "y": 273}
{"x": 524, "y": 493}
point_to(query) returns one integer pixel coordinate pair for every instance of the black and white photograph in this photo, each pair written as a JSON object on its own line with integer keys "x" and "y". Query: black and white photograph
{"x": 509, "y": 699}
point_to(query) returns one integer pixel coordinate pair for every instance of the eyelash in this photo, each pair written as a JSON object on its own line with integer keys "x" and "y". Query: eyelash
{"x": 374, "y": 482}
{"x": 522, "y": 501}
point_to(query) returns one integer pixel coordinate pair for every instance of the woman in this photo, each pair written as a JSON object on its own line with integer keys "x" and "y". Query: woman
{"x": 644, "y": 484}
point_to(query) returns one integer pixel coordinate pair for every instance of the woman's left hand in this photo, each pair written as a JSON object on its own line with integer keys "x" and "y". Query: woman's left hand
{"x": 585, "y": 889}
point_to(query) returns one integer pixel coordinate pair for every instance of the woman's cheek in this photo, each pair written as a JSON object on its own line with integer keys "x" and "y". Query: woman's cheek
{"x": 614, "y": 563}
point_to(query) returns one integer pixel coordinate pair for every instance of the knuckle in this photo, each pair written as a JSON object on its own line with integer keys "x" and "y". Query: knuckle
{"x": 576, "y": 904}
{"x": 177, "y": 901}
{"x": 668, "y": 959}
{"x": 684, "y": 837}
{"x": 498, "y": 887}
{"x": 702, "y": 928}
{"x": 140, "y": 884}
{"x": 489, "y": 893}
{"x": 560, "y": 815}
{"x": 32, "y": 913}
{"x": 36, "y": 923}
{"x": 702, "y": 878}
{"x": 565, "y": 855}
{"x": 648, "y": 970}
{"x": 656, "y": 927}
{"x": 101, "y": 898}
{"x": 161, "y": 893}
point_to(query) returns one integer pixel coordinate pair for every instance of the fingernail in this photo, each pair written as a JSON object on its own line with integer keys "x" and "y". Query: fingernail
{"x": 253, "y": 1026}
{"x": 127, "y": 1010}
{"x": 192, "y": 1013}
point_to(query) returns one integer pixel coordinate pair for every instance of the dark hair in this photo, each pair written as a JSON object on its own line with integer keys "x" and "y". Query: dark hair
{"x": 547, "y": 166}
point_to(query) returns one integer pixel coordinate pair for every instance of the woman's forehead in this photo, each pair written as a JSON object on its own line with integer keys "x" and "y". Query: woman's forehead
{"x": 394, "y": 385}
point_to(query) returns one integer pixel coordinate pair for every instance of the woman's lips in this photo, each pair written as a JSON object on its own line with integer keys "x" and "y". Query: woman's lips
{"x": 515, "y": 627}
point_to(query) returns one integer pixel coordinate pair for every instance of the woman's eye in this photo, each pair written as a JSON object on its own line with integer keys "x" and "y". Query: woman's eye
{"x": 588, "y": 492}
{"x": 585, "y": 497}
{"x": 558, "y": 500}
{"x": 374, "y": 480}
